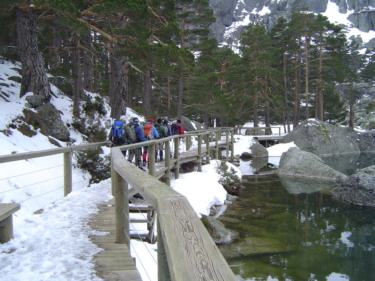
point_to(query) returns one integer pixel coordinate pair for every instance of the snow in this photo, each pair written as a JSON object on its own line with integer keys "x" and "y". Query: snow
{"x": 275, "y": 152}
{"x": 337, "y": 277}
{"x": 202, "y": 188}
{"x": 333, "y": 14}
{"x": 345, "y": 239}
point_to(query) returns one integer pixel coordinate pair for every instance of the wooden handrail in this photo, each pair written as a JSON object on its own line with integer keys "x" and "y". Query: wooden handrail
{"x": 187, "y": 251}
{"x": 48, "y": 152}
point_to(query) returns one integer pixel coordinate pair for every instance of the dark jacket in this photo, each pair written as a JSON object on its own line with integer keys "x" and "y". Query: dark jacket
{"x": 139, "y": 133}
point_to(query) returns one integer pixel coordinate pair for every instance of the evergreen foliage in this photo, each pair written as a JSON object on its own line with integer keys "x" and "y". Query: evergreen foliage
{"x": 158, "y": 57}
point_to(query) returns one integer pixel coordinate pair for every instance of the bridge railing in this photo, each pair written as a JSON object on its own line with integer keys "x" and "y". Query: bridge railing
{"x": 66, "y": 151}
{"x": 186, "y": 251}
{"x": 257, "y": 131}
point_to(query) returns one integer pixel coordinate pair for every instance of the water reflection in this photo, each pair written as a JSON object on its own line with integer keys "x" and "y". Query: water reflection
{"x": 323, "y": 239}
{"x": 349, "y": 163}
{"x": 298, "y": 186}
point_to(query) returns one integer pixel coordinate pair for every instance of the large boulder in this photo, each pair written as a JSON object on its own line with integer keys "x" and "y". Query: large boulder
{"x": 258, "y": 150}
{"x": 322, "y": 138}
{"x": 219, "y": 233}
{"x": 359, "y": 188}
{"x": 47, "y": 118}
{"x": 190, "y": 125}
{"x": 366, "y": 141}
{"x": 306, "y": 186}
{"x": 302, "y": 164}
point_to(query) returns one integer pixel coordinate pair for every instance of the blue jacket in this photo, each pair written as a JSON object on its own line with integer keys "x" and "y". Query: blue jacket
{"x": 139, "y": 133}
{"x": 155, "y": 133}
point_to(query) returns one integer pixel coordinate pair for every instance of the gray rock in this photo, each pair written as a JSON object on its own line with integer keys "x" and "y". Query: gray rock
{"x": 190, "y": 125}
{"x": 258, "y": 150}
{"x": 322, "y": 138}
{"x": 366, "y": 141}
{"x": 306, "y": 186}
{"x": 358, "y": 189}
{"x": 219, "y": 233}
{"x": 302, "y": 164}
{"x": 48, "y": 119}
{"x": 246, "y": 156}
{"x": 35, "y": 101}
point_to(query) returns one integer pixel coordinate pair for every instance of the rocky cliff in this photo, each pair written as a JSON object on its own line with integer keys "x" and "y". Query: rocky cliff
{"x": 233, "y": 15}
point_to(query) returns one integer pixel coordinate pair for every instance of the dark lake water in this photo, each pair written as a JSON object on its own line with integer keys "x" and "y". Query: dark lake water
{"x": 288, "y": 235}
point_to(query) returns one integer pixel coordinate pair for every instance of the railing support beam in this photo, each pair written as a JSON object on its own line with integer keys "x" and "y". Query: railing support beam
{"x": 121, "y": 208}
{"x": 67, "y": 172}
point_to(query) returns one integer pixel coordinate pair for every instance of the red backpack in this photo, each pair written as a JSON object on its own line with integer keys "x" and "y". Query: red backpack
{"x": 147, "y": 129}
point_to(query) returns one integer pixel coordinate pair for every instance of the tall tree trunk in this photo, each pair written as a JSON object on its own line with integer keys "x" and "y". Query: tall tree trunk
{"x": 286, "y": 111}
{"x": 147, "y": 91}
{"x": 77, "y": 76}
{"x": 180, "y": 96}
{"x": 267, "y": 113}
{"x": 88, "y": 63}
{"x": 169, "y": 96}
{"x": 55, "y": 59}
{"x": 320, "y": 87}
{"x": 351, "y": 106}
{"x": 118, "y": 89}
{"x": 307, "y": 69}
{"x": 255, "y": 110}
{"x": 34, "y": 75}
{"x": 297, "y": 103}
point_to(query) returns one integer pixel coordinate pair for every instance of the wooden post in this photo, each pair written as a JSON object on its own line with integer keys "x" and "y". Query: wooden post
{"x": 208, "y": 148}
{"x": 113, "y": 184}
{"x": 163, "y": 268}
{"x": 6, "y": 229}
{"x": 67, "y": 172}
{"x": 121, "y": 208}
{"x": 177, "y": 157}
{"x": 188, "y": 142}
{"x": 167, "y": 162}
{"x": 151, "y": 159}
{"x": 199, "y": 153}
{"x": 227, "y": 144}
{"x": 218, "y": 134}
{"x": 232, "y": 145}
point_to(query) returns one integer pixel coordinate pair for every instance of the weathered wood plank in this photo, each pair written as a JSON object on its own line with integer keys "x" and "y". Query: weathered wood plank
{"x": 115, "y": 262}
{"x": 191, "y": 253}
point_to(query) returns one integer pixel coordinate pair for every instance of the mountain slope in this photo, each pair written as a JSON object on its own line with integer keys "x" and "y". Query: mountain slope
{"x": 233, "y": 15}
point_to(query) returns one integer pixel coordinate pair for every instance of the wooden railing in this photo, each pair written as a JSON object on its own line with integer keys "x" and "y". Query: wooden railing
{"x": 186, "y": 252}
{"x": 256, "y": 131}
{"x": 68, "y": 153}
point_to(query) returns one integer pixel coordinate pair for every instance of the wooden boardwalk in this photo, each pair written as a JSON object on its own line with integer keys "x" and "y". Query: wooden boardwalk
{"x": 114, "y": 263}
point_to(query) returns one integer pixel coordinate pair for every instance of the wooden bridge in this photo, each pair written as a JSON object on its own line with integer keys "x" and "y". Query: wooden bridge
{"x": 185, "y": 249}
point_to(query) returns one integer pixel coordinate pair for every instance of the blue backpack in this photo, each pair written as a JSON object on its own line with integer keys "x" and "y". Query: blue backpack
{"x": 118, "y": 134}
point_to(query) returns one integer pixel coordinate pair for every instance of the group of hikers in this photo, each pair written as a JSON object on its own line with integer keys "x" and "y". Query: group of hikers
{"x": 135, "y": 132}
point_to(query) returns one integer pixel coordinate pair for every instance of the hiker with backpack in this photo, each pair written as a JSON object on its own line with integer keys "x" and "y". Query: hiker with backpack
{"x": 163, "y": 133}
{"x": 135, "y": 135}
{"x": 150, "y": 133}
{"x": 177, "y": 128}
{"x": 117, "y": 135}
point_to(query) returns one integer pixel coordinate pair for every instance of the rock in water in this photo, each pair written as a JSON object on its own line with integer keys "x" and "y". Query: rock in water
{"x": 359, "y": 188}
{"x": 258, "y": 150}
{"x": 219, "y": 233}
{"x": 302, "y": 164}
{"x": 322, "y": 138}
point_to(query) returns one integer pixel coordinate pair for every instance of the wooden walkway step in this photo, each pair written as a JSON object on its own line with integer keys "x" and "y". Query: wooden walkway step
{"x": 114, "y": 263}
